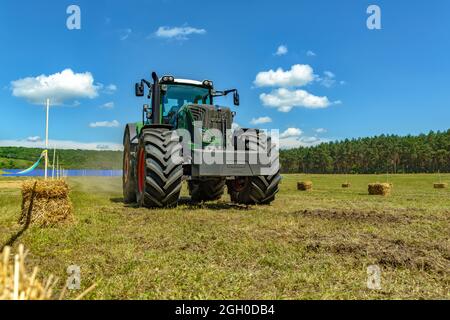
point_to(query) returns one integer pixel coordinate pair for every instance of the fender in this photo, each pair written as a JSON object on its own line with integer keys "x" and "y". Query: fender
{"x": 131, "y": 127}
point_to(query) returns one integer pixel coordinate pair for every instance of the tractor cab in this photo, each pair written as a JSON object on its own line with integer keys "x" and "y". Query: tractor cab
{"x": 180, "y": 94}
{"x": 169, "y": 96}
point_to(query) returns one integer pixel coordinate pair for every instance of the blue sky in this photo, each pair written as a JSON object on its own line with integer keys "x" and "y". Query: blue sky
{"x": 338, "y": 79}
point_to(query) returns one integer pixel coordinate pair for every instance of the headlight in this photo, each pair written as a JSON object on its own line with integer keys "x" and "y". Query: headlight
{"x": 208, "y": 83}
{"x": 168, "y": 79}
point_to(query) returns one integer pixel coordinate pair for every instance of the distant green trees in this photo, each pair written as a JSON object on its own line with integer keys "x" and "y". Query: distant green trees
{"x": 19, "y": 158}
{"x": 425, "y": 153}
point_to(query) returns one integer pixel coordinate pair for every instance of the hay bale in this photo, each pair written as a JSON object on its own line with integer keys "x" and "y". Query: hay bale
{"x": 50, "y": 202}
{"x": 346, "y": 185}
{"x": 304, "y": 186}
{"x": 379, "y": 189}
{"x": 440, "y": 185}
{"x": 16, "y": 283}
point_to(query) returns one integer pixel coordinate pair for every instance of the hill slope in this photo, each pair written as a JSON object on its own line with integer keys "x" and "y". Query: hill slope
{"x": 19, "y": 158}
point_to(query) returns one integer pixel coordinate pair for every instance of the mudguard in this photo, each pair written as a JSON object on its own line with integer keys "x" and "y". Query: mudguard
{"x": 132, "y": 128}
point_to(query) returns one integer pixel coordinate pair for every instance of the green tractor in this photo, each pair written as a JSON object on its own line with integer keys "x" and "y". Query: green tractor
{"x": 184, "y": 136}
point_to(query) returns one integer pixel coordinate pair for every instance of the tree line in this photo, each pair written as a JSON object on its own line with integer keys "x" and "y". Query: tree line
{"x": 425, "y": 153}
{"x": 19, "y": 158}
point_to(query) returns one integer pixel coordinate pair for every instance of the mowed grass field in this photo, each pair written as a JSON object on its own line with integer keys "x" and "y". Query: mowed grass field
{"x": 306, "y": 245}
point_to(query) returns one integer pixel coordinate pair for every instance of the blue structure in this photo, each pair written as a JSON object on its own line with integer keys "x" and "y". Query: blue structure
{"x": 70, "y": 173}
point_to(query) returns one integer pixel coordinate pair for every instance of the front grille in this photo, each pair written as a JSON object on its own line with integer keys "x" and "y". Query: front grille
{"x": 212, "y": 117}
{"x": 198, "y": 113}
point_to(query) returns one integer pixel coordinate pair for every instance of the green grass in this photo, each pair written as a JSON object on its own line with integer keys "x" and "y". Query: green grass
{"x": 306, "y": 245}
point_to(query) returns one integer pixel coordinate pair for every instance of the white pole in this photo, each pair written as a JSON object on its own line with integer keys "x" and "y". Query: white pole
{"x": 53, "y": 164}
{"x": 57, "y": 167}
{"x": 46, "y": 139}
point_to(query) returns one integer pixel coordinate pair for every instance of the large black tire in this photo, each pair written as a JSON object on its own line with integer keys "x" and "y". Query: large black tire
{"x": 206, "y": 190}
{"x": 129, "y": 163}
{"x": 257, "y": 189}
{"x": 160, "y": 168}
{"x": 254, "y": 190}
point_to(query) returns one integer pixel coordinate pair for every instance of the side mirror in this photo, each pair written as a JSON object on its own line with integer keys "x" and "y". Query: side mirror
{"x": 139, "y": 89}
{"x": 236, "y": 99}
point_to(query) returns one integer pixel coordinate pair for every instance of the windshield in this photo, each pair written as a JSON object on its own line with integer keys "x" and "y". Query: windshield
{"x": 174, "y": 96}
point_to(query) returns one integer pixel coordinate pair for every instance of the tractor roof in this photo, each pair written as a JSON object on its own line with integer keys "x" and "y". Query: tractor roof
{"x": 184, "y": 81}
{"x": 188, "y": 81}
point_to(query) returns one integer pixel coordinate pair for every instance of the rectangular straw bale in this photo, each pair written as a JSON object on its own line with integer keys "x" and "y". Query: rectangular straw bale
{"x": 51, "y": 203}
{"x": 380, "y": 189}
{"x": 304, "y": 186}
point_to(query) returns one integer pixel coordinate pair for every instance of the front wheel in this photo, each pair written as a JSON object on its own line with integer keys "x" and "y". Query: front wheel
{"x": 160, "y": 168}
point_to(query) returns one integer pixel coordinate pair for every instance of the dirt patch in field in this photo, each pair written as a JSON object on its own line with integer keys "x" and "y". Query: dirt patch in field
{"x": 386, "y": 252}
{"x": 10, "y": 184}
{"x": 358, "y": 215}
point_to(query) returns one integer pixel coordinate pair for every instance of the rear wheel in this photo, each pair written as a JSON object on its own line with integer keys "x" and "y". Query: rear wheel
{"x": 160, "y": 169}
{"x": 206, "y": 190}
{"x": 254, "y": 190}
{"x": 128, "y": 176}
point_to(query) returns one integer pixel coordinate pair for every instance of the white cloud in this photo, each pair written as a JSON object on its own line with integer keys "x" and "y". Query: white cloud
{"x": 58, "y": 87}
{"x": 310, "y": 53}
{"x": 296, "y": 142}
{"x": 180, "y": 33}
{"x": 299, "y": 75}
{"x": 321, "y": 130}
{"x": 34, "y": 139}
{"x": 63, "y": 144}
{"x": 284, "y": 100}
{"x": 294, "y": 138}
{"x": 282, "y": 50}
{"x": 291, "y": 132}
{"x": 328, "y": 80}
{"x": 261, "y": 120}
{"x": 125, "y": 34}
{"x": 329, "y": 74}
{"x": 105, "y": 124}
{"x": 110, "y": 89}
{"x": 108, "y": 105}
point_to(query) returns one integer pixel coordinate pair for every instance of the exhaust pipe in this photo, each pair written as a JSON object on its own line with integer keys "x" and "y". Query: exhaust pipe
{"x": 156, "y": 103}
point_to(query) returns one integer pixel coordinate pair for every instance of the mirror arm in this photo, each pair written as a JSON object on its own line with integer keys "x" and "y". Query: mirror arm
{"x": 147, "y": 83}
{"x": 223, "y": 93}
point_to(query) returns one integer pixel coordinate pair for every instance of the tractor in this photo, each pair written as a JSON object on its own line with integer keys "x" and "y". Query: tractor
{"x": 184, "y": 136}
